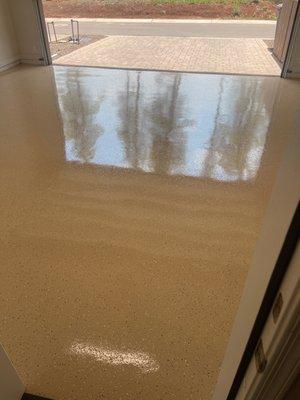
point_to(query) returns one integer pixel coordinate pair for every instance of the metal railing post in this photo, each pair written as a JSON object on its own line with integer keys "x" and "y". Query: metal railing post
{"x": 49, "y": 31}
{"x": 54, "y": 31}
{"x": 75, "y": 38}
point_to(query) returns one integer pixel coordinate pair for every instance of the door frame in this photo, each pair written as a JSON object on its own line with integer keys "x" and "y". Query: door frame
{"x": 41, "y": 22}
{"x": 276, "y": 366}
{"x": 283, "y": 262}
{"x": 286, "y": 72}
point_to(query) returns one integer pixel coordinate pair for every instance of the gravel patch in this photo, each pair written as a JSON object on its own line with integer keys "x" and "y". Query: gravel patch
{"x": 64, "y": 46}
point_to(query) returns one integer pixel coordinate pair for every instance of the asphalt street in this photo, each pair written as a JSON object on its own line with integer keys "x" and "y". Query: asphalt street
{"x": 222, "y": 30}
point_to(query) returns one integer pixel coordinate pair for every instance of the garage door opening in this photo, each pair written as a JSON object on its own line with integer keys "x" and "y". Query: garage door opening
{"x": 230, "y": 46}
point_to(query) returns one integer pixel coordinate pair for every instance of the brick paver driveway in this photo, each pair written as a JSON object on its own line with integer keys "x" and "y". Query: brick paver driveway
{"x": 239, "y": 56}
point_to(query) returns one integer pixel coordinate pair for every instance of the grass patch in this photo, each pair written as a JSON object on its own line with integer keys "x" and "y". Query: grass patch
{"x": 236, "y": 4}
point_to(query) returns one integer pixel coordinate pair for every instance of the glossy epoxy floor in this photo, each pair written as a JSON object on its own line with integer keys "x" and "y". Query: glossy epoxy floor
{"x": 130, "y": 206}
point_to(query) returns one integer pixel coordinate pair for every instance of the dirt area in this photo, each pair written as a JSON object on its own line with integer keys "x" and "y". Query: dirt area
{"x": 256, "y": 9}
{"x": 59, "y": 49}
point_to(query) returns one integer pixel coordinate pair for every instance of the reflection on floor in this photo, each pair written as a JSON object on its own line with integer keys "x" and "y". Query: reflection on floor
{"x": 152, "y": 123}
{"x": 130, "y": 206}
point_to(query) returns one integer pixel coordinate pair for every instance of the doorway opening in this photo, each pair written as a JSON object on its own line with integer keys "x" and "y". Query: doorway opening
{"x": 214, "y": 45}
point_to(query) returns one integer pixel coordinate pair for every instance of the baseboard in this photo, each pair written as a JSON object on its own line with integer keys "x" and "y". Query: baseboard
{"x": 9, "y": 65}
{"x": 32, "y": 58}
{"x": 293, "y": 75}
{"x": 27, "y": 396}
{"x": 32, "y": 61}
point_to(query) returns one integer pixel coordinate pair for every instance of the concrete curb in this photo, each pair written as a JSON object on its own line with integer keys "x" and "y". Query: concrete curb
{"x": 239, "y": 39}
{"x": 167, "y": 21}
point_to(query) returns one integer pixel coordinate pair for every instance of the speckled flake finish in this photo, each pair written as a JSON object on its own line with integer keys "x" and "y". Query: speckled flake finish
{"x": 130, "y": 206}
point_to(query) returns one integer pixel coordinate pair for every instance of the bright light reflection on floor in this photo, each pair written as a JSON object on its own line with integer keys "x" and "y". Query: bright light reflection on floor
{"x": 106, "y": 355}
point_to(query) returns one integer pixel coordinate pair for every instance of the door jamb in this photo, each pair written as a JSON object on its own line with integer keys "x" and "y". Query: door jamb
{"x": 47, "y": 59}
{"x": 296, "y": 25}
{"x": 283, "y": 262}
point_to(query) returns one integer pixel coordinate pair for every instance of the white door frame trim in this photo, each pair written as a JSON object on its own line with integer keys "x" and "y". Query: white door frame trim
{"x": 47, "y": 59}
{"x": 286, "y": 72}
{"x": 280, "y": 341}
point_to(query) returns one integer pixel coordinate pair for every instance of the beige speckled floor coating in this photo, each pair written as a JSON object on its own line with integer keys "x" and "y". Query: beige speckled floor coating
{"x": 234, "y": 56}
{"x": 130, "y": 207}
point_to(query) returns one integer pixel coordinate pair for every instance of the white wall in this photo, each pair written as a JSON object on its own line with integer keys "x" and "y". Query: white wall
{"x": 9, "y": 49}
{"x": 26, "y": 28}
{"x": 19, "y": 33}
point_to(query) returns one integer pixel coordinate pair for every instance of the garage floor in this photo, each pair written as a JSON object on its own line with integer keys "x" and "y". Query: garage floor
{"x": 215, "y": 55}
{"x": 131, "y": 203}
